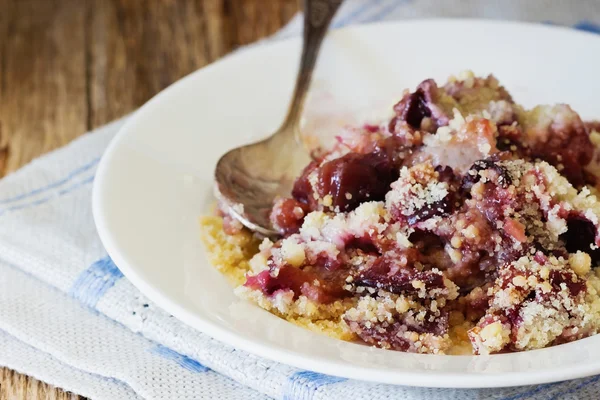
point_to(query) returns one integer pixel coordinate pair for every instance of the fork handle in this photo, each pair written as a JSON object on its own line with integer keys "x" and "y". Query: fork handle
{"x": 317, "y": 17}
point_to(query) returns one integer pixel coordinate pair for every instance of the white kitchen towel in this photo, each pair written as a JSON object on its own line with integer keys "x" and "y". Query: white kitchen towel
{"x": 70, "y": 318}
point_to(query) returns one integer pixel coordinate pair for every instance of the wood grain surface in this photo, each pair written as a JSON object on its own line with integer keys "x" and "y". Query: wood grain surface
{"x": 68, "y": 66}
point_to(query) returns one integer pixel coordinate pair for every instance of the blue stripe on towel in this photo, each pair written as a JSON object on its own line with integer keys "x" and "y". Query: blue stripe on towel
{"x": 587, "y": 26}
{"x": 557, "y": 395}
{"x": 184, "y": 361}
{"x": 572, "y": 391}
{"x": 387, "y": 10}
{"x": 303, "y": 385}
{"x": 53, "y": 185}
{"x": 355, "y": 14}
{"x": 531, "y": 392}
{"x": 92, "y": 283}
{"x": 48, "y": 198}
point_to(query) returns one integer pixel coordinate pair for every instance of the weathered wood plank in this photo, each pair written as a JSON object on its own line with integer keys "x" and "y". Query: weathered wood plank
{"x": 14, "y": 386}
{"x": 67, "y": 66}
{"x": 43, "y": 78}
{"x": 137, "y": 51}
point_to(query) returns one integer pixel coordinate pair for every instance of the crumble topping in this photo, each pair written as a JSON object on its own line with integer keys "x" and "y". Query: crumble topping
{"x": 466, "y": 223}
{"x": 417, "y": 188}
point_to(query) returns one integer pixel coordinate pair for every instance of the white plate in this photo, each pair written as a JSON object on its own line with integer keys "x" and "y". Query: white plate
{"x": 156, "y": 178}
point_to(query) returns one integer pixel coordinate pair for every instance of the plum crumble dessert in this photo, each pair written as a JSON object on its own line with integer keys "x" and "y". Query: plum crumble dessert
{"x": 466, "y": 223}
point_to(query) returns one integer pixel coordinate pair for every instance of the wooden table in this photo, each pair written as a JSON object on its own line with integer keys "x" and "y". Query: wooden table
{"x": 68, "y": 66}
